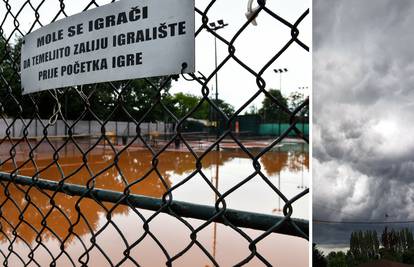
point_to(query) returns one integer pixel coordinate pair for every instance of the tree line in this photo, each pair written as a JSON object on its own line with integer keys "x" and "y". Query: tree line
{"x": 122, "y": 100}
{"x": 394, "y": 245}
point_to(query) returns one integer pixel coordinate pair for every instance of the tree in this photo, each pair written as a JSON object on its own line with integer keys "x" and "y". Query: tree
{"x": 251, "y": 111}
{"x": 408, "y": 256}
{"x": 337, "y": 259}
{"x": 397, "y": 245}
{"x": 350, "y": 260}
{"x": 142, "y": 95}
{"x": 10, "y": 89}
{"x": 182, "y": 104}
{"x": 295, "y": 100}
{"x": 318, "y": 259}
{"x": 272, "y": 112}
{"x": 364, "y": 246}
{"x": 225, "y": 107}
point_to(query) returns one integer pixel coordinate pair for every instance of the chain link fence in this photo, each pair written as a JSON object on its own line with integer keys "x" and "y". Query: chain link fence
{"x": 54, "y": 183}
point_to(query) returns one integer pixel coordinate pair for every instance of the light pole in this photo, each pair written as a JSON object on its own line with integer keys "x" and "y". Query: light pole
{"x": 305, "y": 89}
{"x": 214, "y": 27}
{"x": 280, "y": 71}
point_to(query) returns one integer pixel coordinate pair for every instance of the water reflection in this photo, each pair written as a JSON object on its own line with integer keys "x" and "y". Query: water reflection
{"x": 225, "y": 168}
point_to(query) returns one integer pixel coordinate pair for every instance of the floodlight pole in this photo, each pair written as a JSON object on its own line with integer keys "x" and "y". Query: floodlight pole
{"x": 215, "y": 27}
{"x": 215, "y": 64}
{"x": 280, "y": 71}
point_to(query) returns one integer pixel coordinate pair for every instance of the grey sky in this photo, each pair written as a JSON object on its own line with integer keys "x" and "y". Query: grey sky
{"x": 363, "y": 71}
{"x": 255, "y": 46}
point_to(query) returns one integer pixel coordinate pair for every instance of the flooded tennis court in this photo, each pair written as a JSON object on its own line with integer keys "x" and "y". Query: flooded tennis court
{"x": 100, "y": 233}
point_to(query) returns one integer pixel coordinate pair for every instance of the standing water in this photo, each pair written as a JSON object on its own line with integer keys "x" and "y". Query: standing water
{"x": 286, "y": 167}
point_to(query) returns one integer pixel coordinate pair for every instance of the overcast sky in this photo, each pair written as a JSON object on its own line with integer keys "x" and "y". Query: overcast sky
{"x": 363, "y": 103}
{"x": 255, "y": 46}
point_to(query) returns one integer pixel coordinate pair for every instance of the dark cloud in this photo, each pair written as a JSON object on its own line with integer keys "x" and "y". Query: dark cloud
{"x": 363, "y": 111}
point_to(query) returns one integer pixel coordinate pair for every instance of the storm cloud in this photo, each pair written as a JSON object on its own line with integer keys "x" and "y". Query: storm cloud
{"x": 363, "y": 113}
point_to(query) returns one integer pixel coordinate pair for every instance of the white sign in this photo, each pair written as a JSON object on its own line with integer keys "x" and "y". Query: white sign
{"x": 124, "y": 40}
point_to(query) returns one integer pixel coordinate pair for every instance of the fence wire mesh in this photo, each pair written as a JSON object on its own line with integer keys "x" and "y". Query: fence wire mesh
{"x": 49, "y": 202}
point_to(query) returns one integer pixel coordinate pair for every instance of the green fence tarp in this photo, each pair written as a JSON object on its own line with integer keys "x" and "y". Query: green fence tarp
{"x": 279, "y": 128}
